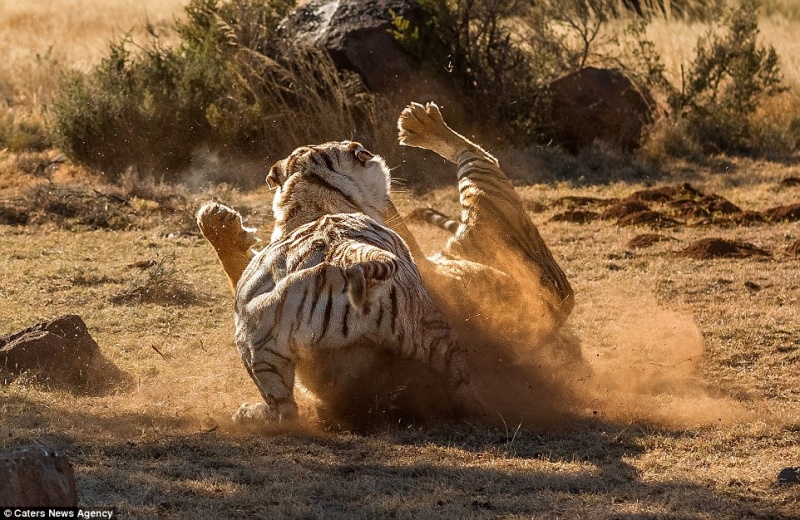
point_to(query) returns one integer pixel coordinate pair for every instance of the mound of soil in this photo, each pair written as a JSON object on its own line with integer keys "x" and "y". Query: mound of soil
{"x": 653, "y": 219}
{"x": 13, "y": 215}
{"x": 790, "y": 182}
{"x": 647, "y": 240}
{"x": 533, "y": 206}
{"x": 704, "y": 206}
{"x": 667, "y": 193}
{"x": 790, "y": 213}
{"x": 625, "y": 208}
{"x": 573, "y": 201}
{"x": 708, "y": 248}
{"x": 576, "y": 216}
{"x": 794, "y": 249}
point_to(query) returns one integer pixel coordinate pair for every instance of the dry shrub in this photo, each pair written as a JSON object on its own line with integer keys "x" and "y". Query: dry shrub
{"x": 229, "y": 85}
{"x": 157, "y": 284}
{"x": 78, "y": 207}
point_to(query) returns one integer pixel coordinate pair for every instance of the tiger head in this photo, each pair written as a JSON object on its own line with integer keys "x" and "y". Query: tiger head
{"x": 335, "y": 177}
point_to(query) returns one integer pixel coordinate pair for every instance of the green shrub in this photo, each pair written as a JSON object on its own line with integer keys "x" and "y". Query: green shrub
{"x": 229, "y": 86}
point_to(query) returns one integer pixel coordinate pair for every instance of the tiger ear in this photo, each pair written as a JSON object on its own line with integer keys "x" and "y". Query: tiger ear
{"x": 275, "y": 176}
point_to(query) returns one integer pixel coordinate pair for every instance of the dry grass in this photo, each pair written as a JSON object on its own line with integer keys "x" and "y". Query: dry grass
{"x": 708, "y": 447}
{"x": 697, "y": 361}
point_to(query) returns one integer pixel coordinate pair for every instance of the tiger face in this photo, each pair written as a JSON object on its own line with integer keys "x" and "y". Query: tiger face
{"x": 335, "y": 177}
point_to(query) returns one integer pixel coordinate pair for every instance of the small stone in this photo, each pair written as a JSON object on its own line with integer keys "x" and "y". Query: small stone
{"x": 790, "y": 475}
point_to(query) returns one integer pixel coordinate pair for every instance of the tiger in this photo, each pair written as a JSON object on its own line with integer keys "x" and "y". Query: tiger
{"x": 336, "y": 196}
{"x": 334, "y": 289}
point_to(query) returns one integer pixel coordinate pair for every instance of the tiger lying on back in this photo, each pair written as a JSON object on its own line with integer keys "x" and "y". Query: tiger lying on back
{"x": 334, "y": 288}
{"x": 336, "y": 279}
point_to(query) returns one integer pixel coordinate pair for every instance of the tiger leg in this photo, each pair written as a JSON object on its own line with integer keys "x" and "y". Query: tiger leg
{"x": 429, "y": 339}
{"x": 494, "y": 225}
{"x": 223, "y": 228}
{"x": 276, "y": 326}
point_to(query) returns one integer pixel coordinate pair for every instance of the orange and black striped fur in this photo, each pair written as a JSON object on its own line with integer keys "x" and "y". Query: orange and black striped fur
{"x": 335, "y": 288}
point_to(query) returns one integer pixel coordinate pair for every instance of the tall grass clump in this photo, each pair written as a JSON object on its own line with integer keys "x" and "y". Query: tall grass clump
{"x": 229, "y": 85}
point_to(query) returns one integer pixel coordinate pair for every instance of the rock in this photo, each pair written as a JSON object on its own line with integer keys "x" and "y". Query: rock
{"x": 356, "y": 35}
{"x": 790, "y": 475}
{"x": 59, "y": 351}
{"x": 595, "y": 105}
{"x": 36, "y": 476}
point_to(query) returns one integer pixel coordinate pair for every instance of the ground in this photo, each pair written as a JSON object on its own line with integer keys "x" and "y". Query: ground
{"x": 697, "y": 363}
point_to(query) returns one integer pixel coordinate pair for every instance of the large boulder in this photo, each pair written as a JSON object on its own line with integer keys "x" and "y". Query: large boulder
{"x": 36, "y": 476}
{"x": 595, "y": 105}
{"x": 59, "y": 352}
{"x": 356, "y": 34}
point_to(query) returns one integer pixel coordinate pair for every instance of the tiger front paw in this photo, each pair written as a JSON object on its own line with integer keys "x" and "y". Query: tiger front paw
{"x": 223, "y": 227}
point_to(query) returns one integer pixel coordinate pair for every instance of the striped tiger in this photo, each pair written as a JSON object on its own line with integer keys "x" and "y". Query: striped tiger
{"x": 341, "y": 261}
{"x": 495, "y": 246}
{"x": 334, "y": 289}
{"x": 435, "y": 218}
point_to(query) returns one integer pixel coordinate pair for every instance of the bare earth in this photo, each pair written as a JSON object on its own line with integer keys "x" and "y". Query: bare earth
{"x": 694, "y": 399}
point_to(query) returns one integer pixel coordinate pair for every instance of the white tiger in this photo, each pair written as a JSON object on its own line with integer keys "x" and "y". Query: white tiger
{"x": 334, "y": 288}
{"x": 316, "y": 299}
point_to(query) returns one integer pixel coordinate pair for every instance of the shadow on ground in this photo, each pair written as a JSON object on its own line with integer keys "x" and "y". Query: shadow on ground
{"x": 446, "y": 472}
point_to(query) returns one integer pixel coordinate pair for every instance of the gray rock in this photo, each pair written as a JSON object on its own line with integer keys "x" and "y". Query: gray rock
{"x": 356, "y": 35}
{"x": 790, "y": 475}
{"x": 36, "y": 476}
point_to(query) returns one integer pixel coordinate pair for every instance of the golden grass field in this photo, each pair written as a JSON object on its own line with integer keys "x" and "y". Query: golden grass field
{"x": 695, "y": 397}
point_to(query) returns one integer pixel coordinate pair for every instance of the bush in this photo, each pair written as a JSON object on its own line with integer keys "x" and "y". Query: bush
{"x": 729, "y": 79}
{"x": 504, "y": 54}
{"x": 229, "y": 86}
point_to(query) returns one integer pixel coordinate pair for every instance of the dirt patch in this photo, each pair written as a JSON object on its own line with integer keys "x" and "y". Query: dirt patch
{"x": 575, "y": 215}
{"x": 647, "y": 240}
{"x": 653, "y": 219}
{"x": 572, "y": 201}
{"x": 790, "y": 182}
{"x": 12, "y": 214}
{"x": 704, "y": 206}
{"x": 625, "y": 208}
{"x": 666, "y": 193}
{"x": 790, "y": 213}
{"x": 708, "y": 248}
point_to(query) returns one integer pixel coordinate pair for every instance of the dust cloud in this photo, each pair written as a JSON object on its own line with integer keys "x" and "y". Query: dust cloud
{"x": 621, "y": 358}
